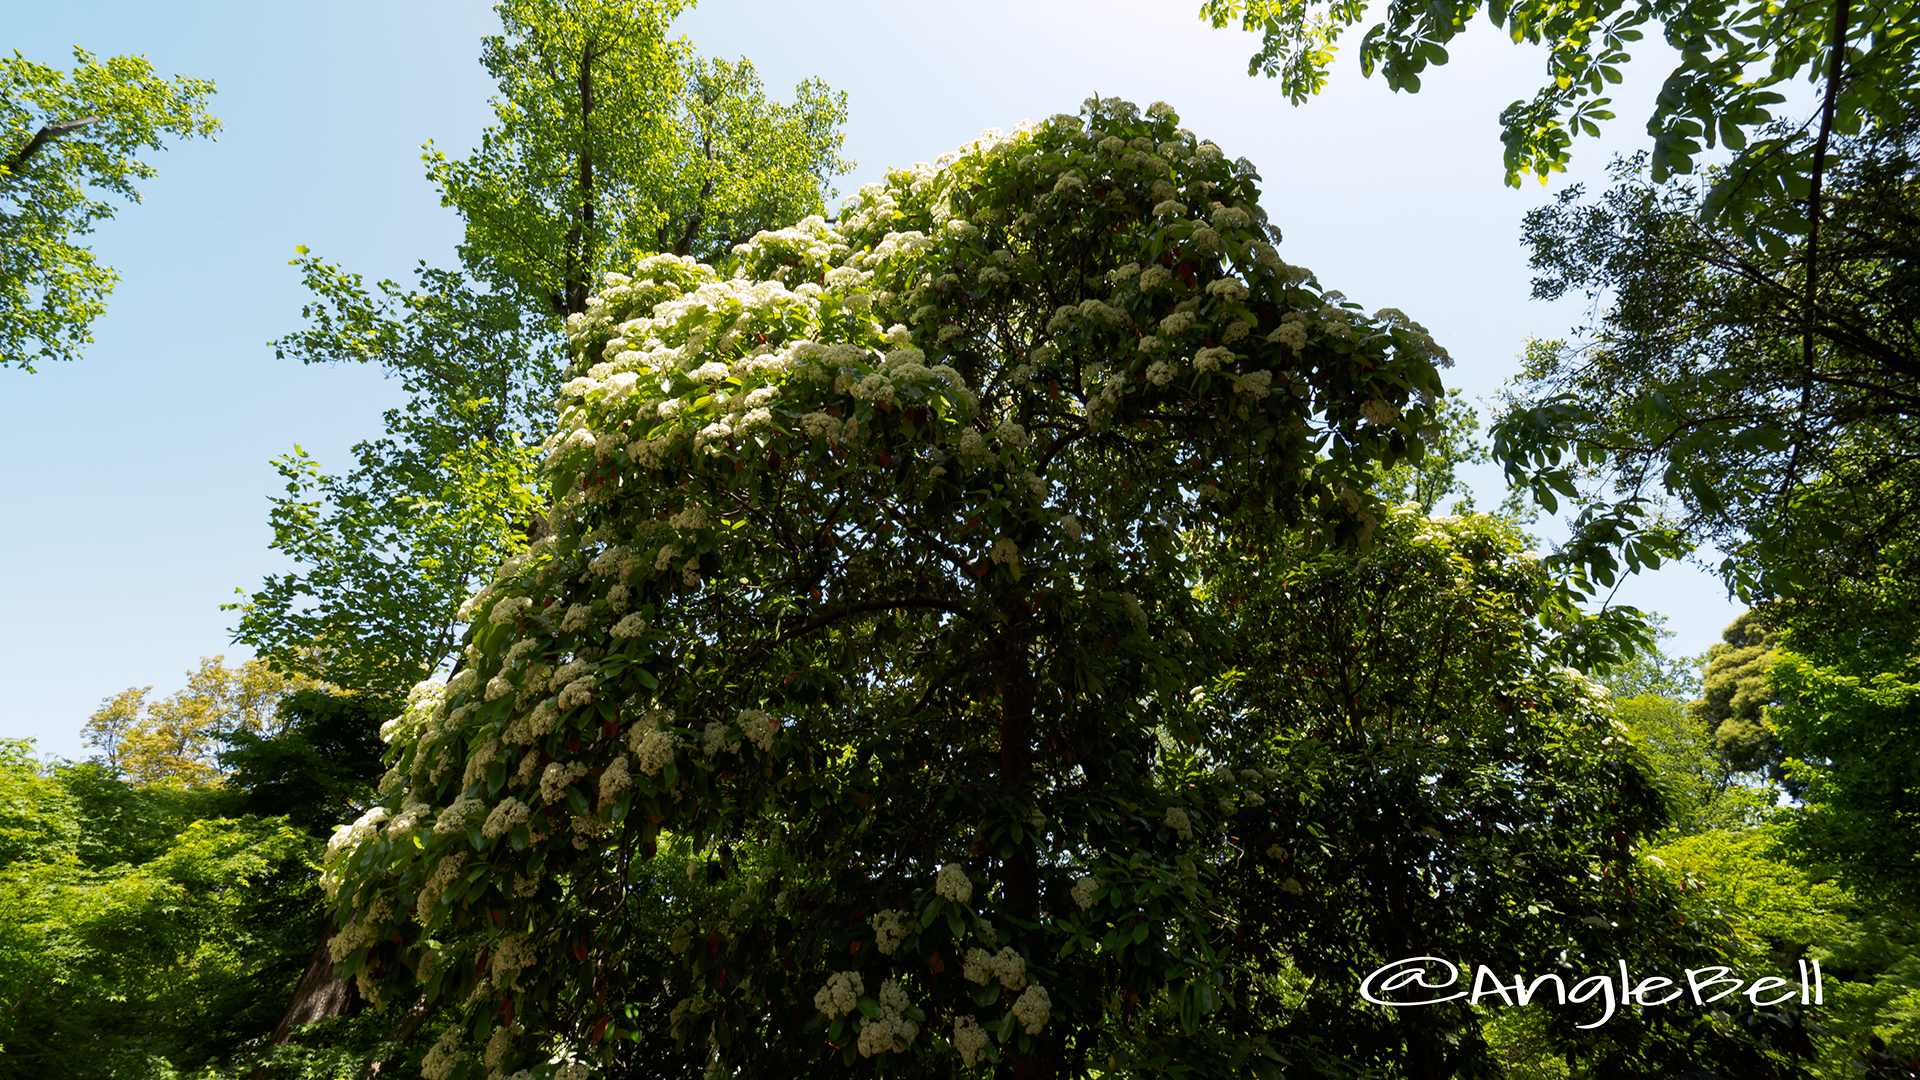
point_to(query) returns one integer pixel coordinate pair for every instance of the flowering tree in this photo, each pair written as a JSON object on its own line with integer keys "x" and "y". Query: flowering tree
{"x": 869, "y": 605}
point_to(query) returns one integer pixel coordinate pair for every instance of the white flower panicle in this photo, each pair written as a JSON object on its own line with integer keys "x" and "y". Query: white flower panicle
{"x": 759, "y": 727}
{"x": 952, "y": 884}
{"x": 970, "y": 1039}
{"x": 1180, "y": 822}
{"x": 841, "y": 995}
{"x": 615, "y": 779}
{"x": 715, "y": 739}
{"x": 509, "y": 609}
{"x": 653, "y": 747}
{"x": 349, "y": 837}
{"x": 1083, "y": 891}
{"x": 505, "y": 816}
{"x": 1032, "y": 1009}
{"x": 1376, "y": 411}
{"x": 889, "y": 929}
{"x": 891, "y": 1031}
{"x": 443, "y": 1056}
{"x": 557, "y": 777}
{"x": 1006, "y": 965}
{"x": 458, "y": 816}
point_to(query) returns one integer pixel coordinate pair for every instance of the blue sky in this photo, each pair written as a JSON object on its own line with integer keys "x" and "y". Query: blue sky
{"x": 137, "y": 478}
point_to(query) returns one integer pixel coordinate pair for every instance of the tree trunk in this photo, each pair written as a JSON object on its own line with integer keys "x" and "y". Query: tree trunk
{"x": 318, "y": 995}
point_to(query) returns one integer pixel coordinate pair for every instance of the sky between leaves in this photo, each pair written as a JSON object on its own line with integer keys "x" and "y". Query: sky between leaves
{"x": 136, "y": 479}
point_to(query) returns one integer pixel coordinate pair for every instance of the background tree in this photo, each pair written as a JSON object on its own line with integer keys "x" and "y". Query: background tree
{"x": 143, "y": 939}
{"x": 1736, "y": 693}
{"x": 1442, "y": 789}
{"x": 317, "y": 769}
{"x": 67, "y": 138}
{"x": 610, "y": 141}
{"x": 1695, "y": 383}
{"x": 1449, "y": 444}
{"x": 1722, "y": 89}
{"x": 1849, "y": 733}
{"x": 176, "y": 740}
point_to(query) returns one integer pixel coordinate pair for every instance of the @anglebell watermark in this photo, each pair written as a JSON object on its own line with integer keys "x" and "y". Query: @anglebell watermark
{"x": 1421, "y": 977}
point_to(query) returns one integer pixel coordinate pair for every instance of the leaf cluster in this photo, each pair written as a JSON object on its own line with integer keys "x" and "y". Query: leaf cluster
{"x": 66, "y": 140}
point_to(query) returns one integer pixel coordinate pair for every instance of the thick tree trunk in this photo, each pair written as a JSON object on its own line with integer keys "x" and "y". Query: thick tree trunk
{"x": 319, "y": 994}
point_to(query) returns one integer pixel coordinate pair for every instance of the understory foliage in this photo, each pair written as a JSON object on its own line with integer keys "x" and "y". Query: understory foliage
{"x": 145, "y": 937}
{"x": 880, "y": 691}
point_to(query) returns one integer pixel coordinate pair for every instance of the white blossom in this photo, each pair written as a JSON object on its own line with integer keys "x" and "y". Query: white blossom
{"x": 890, "y": 927}
{"x": 1180, "y": 822}
{"x": 952, "y": 884}
{"x": 841, "y": 995}
{"x": 970, "y": 1039}
{"x": 1032, "y": 1009}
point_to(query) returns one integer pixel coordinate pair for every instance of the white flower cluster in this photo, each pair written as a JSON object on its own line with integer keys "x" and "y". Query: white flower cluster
{"x": 1032, "y": 1009}
{"x": 361, "y": 931}
{"x": 505, "y": 816}
{"x": 509, "y": 609}
{"x": 891, "y": 1031}
{"x": 714, "y": 739}
{"x": 841, "y": 995}
{"x": 443, "y": 1056}
{"x": 557, "y": 777}
{"x": 1006, "y": 965}
{"x": 1005, "y": 551}
{"x": 458, "y": 816}
{"x": 952, "y": 884}
{"x": 1376, "y": 411}
{"x": 349, "y": 837}
{"x": 653, "y": 746}
{"x": 890, "y": 928}
{"x": 511, "y": 954}
{"x": 970, "y": 1039}
{"x": 576, "y": 693}
{"x": 615, "y": 779}
{"x": 1230, "y": 288}
{"x": 760, "y": 728}
{"x": 1211, "y": 359}
{"x": 443, "y": 875}
{"x": 1180, "y": 822}
{"x": 1083, "y": 891}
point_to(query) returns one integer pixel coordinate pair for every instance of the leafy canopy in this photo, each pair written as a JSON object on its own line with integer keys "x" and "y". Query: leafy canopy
{"x": 66, "y": 140}
{"x": 1775, "y": 416}
{"x": 1734, "y": 56}
{"x": 175, "y": 741}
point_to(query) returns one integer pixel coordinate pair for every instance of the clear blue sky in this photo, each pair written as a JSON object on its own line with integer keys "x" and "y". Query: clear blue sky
{"x": 136, "y": 479}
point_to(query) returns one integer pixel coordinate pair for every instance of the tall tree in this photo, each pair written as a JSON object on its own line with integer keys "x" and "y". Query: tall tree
{"x": 1695, "y": 382}
{"x": 611, "y": 141}
{"x": 862, "y": 701}
{"x": 66, "y": 139}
